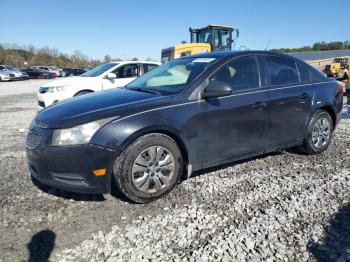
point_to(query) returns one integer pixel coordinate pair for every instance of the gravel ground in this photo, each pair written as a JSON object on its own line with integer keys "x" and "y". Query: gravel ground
{"x": 278, "y": 207}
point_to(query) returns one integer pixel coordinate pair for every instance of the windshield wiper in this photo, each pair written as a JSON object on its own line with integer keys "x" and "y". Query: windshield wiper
{"x": 140, "y": 89}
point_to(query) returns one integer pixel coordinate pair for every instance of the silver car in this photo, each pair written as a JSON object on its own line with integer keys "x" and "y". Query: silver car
{"x": 4, "y": 76}
{"x": 13, "y": 73}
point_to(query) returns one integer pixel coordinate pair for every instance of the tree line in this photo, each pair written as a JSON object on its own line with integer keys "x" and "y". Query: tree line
{"x": 26, "y": 56}
{"x": 319, "y": 46}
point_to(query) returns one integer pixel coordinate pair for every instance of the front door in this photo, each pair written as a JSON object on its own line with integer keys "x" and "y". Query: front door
{"x": 125, "y": 74}
{"x": 233, "y": 126}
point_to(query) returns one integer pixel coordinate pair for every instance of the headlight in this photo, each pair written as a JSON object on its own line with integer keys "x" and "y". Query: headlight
{"x": 77, "y": 135}
{"x": 54, "y": 89}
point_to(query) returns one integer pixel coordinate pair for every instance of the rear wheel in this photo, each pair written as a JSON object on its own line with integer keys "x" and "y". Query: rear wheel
{"x": 149, "y": 168}
{"x": 319, "y": 133}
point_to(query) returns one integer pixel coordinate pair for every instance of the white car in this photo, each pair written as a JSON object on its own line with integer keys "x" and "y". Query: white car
{"x": 105, "y": 76}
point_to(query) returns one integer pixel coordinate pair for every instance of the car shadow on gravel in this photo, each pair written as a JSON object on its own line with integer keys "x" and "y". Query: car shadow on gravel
{"x": 68, "y": 195}
{"x": 41, "y": 246}
{"x": 336, "y": 244}
{"x": 80, "y": 196}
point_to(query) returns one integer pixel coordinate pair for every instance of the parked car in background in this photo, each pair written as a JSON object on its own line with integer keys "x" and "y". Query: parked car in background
{"x": 74, "y": 71}
{"x": 4, "y": 76}
{"x": 48, "y": 69}
{"x": 13, "y": 72}
{"x": 52, "y": 69}
{"x": 59, "y": 70}
{"x": 110, "y": 75}
{"x": 39, "y": 73}
{"x": 188, "y": 114}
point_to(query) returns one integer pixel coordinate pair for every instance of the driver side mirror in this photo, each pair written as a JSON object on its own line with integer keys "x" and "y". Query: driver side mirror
{"x": 111, "y": 76}
{"x": 216, "y": 89}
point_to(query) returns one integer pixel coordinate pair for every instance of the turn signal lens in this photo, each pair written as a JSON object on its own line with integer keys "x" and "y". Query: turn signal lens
{"x": 100, "y": 172}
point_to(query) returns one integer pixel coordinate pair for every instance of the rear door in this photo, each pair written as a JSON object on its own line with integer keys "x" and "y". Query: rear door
{"x": 289, "y": 101}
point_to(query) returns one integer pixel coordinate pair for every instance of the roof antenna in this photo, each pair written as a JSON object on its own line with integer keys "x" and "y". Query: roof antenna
{"x": 268, "y": 45}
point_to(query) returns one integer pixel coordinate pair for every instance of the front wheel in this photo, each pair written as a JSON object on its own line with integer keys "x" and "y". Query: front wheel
{"x": 149, "y": 168}
{"x": 319, "y": 133}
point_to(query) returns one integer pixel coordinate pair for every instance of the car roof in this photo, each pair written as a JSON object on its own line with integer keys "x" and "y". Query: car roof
{"x": 130, "y": 61}
{"x": 223, "y": 54}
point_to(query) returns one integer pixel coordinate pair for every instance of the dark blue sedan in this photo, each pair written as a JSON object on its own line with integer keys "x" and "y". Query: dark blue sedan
{"x": 188, "y": 114}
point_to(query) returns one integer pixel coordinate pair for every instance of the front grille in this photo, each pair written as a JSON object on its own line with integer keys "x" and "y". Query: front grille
{"x": 12, "y": 75}
{"x": 40, "y": 123}
{"x": 43, "y": 90}
{"x": 33, "y": 140}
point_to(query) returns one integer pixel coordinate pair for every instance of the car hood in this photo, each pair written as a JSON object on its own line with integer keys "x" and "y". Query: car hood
{"x": 76, "y": 80}
{"x": 95, "y": 106}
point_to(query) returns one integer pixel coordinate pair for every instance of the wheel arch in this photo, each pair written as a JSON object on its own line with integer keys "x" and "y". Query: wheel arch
{"x": 331, "y": 112}
{"x": 159, "y": 130}
{"x": 84, "y": 90}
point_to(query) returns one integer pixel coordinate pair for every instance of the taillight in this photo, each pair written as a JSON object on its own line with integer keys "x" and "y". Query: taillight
{"x": 340, "y": 89}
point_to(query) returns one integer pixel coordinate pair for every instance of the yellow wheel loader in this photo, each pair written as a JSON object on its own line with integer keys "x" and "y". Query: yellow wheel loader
{"x": 339, "y": 69}
{"x": 203, "y": 40}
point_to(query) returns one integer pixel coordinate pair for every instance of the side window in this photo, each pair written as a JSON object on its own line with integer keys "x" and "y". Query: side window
{"x": 225, "y": 39}
{"x": 308, "y": 74}
{"x": 240, "y": 74}
{"x": 281, "y": 71}
{"x": 148, "y": 67}
{"x": 126, "y": 71}
{"x": 216, "y": 38}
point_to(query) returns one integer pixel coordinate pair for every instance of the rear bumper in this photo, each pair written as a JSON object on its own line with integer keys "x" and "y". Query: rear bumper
{"x": 72, "y": 168}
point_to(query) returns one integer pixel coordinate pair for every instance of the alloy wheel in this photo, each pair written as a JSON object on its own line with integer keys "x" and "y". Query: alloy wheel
{"x": 153, "y": 169}
{"x": 321, "y": 132}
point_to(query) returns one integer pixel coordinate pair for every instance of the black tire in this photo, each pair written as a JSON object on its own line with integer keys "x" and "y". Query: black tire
{"x": 122, "y": 170}
{"x": 82, "y": 93}
{"x": 308, "y": 146}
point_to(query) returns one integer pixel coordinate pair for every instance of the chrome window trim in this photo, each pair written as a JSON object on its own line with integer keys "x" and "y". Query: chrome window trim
{"x": 200, "y": 100}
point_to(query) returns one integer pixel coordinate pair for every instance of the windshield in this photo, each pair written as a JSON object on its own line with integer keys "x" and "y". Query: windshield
{"x": 99, "y": 70}
{"x": 11, "y": 68}
{"x": 205, "y": 36}
{"x": 171, "y": 77}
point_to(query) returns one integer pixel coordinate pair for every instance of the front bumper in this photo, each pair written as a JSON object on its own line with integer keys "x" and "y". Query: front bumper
{"x": 5, "y": 78}
{"x": 46, "y": 99}
{"x": 70, "y": 168}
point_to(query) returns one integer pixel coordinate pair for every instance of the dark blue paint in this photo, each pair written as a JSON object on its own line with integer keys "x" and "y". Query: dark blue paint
{"x": 209, "y": 132}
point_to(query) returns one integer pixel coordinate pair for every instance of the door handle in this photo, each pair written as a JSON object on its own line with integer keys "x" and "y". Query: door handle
{"x": 303, "y": 96}
{"x": 259, "y": 105}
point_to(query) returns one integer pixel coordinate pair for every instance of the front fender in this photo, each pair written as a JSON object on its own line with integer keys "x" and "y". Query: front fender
{"x": 122, "y": 132}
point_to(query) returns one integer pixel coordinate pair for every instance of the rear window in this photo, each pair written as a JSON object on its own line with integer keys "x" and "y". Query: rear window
{"x": 308, "y": 74}
{"x": 281, "y": 71}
